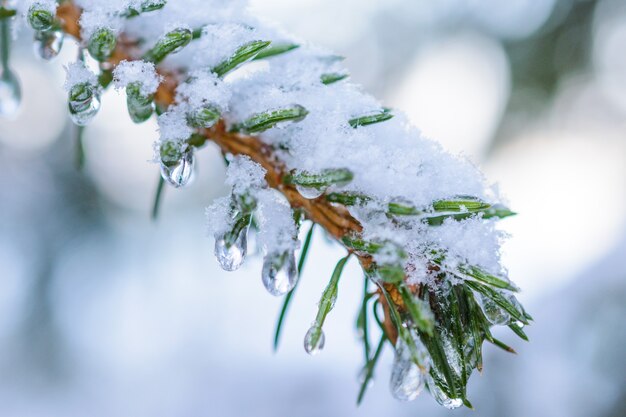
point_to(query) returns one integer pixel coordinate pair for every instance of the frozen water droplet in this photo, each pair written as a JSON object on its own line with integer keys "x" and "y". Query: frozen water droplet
{"x": 494, "y": 314}
{"x": 407, "y": 380}
{"x": 452, "y": 353}
{"x": 314, "y": 340}
{"x": 231, "y": 255}
{"x": 515, "y": 302}
{"x": 310, "y": 192}
{"x": 179, "y": 173}
{"x": 84, "y": 103}
{"x": 48, "y": 44}
{"x": 10, "y": 94}
{"x": 441, "y": 397}
{"x": 279, "y": 273}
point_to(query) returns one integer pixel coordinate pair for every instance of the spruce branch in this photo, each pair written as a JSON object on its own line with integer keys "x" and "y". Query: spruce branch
{"x": 436, "y": 325}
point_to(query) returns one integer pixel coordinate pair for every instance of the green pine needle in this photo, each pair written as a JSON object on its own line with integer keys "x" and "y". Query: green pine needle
{"x": 347, "y": 198}
{"x": 403, "y": 332}
{"x": 157, "y": 198}
{"x": 332, "y": 77}
{"x": 6, "y": 13}
{"x": 460, "y": 205}
{"x": 170, "y": 43}
{"x": 369, "y": 369}
{"x": 261, "y": 122}
{"x": 327, "y": 301}
{"x": 499, "y": 299}
{"x": 518, "y": 331}
{"x": 502, "y": 345}
{"x": 283, "y": 310}
{"x": 361, "y": 321}
{"x": 384, "y": 114}
{"x": 400, "y": 209}
{"x": 420, "y": 311}
{"x": 275, "y": 49}
{"x": 80, "y": 149}
{"x": 243, "y": 54}
{"x": 323, "y": 179}
{"x": 494, "y": 281}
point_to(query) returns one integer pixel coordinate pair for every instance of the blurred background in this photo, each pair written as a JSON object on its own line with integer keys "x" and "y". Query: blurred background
{"x": 105, "y": 313}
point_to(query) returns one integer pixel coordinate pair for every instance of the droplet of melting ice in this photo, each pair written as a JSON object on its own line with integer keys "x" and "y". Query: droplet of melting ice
{"x": 10, "y": 94}
{"x": 494, "y": 313}
{"x": 310, "y": 192}
{"x": 441, "y": 397}
{"x": 279, "y": 273}
{"x": 48, "y": 44}
{"x": 314, "y": 340}
{"x": 407, "y": 380}
{"x": 179, "y": 173}
{"x": 231, "y": 255}
{"x": 84, "y": 103}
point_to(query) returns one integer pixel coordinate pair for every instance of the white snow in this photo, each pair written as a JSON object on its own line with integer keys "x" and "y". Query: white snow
{"x": 277, "y": 230}
{"x": 244, "y": 175}
{"x": 204, "y": 88}
{"x": 91, "y": 21}
{"x": 78, "y": 73}
{"x": 144, "y": 73}
{"x": 173, "y": 124}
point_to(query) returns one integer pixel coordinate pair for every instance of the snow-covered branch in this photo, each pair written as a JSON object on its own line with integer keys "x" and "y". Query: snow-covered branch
{"x": 303, "y": 144}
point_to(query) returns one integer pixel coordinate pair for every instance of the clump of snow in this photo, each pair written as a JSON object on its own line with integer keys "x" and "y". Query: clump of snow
{"x": 91, "y": 21}
{"x": 194, "y": 13}
{"x": 78, "y": 73}
{"x": 473, "y": 241}
{"x": 219, "y": 217}
{"x": 277, "y": 229}
{"x": 219, "y": 41}
{"x": 173, "y": 124}
{"x": 204, "y": 88}
{"x": 244, "y": 175}
{"x": 144, "y": 73}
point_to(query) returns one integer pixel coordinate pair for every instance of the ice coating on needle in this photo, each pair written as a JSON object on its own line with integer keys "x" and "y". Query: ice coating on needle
{"x": 274, "y": 216}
